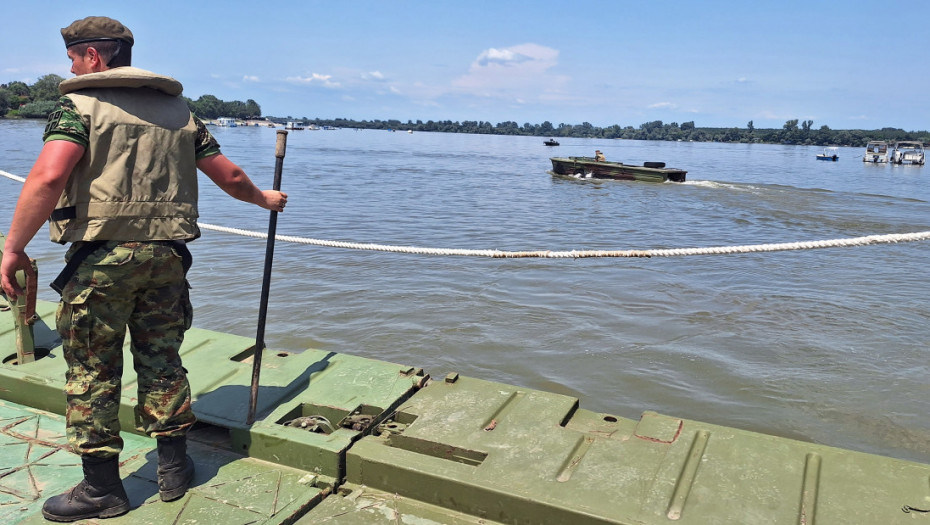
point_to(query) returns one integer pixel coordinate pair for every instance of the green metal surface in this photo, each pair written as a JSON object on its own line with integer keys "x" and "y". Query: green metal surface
{"x": 358, "y": 505}
{"x": 523, "y": 456}
{"x": 309, "y": 383}
{"x": 25, "y": 338}
{"x": 227, "y": 488}
{"x": 343, "y": 439}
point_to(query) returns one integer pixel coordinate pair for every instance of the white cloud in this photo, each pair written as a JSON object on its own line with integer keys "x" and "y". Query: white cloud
{"x": 250, "y": 78}
{"x": 315, "y": 79}
{"x": 373, "y": 75}
{"x": 522, "y": 69}
{"x": 663, "y": 105}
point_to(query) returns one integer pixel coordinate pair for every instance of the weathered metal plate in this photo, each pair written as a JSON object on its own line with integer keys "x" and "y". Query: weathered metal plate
{"x": 521, "y": 456}
{"x": 355, "y": 505}
{"x": 455, "y": 451}
{"x": 227, "y": 487}
{"x": 310, "y": 383}
{"x": 343, "y": 396}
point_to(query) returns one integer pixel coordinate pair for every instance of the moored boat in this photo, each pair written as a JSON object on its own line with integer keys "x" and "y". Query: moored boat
{"x": 908, "y": 152}
{"x": 876, "y": 151}
{"x": 601, "y": 169}
{"x": 831, "y": 154}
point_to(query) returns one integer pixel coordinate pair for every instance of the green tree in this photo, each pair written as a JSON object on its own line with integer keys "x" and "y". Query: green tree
{"x": 46, "y": 88}
{"x": 5, "y": 97}
{"x": 39, "y": 109}
{"x": 18, "y": 88}
{"x": 252, "y": 108}
{"x": 207, "y": 106}
{"x": 19, "y": 94}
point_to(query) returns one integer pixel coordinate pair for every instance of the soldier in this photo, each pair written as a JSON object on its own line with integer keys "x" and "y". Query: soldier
{"x": 118, "y": 176}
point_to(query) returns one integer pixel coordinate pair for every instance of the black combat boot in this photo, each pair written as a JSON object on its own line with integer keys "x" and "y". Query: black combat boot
{"x": 100, "y": 495}
{"x": 175, "y": 468}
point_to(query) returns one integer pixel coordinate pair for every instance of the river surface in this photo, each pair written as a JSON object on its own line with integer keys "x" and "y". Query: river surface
{"x": 825, "y": 345}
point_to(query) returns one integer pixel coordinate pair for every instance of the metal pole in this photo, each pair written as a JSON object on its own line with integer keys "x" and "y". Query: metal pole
{"x": 266, "y": 279}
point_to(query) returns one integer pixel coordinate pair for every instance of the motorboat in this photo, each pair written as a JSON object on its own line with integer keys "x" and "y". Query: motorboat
{"x": 831, "y": 154}
{"x": 908, "y": 152}
{"x": 876, "y": 151}
{"x": 590, "y": 167}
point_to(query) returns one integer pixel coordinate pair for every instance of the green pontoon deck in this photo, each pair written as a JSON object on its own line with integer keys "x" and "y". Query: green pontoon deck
{"x": 349, "y": 440}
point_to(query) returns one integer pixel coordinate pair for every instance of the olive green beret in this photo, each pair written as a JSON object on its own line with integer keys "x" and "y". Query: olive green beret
{"x": 95, "y": 28}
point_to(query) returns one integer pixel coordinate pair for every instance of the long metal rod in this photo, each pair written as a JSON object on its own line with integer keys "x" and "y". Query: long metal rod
{"x": 280, "y": 145}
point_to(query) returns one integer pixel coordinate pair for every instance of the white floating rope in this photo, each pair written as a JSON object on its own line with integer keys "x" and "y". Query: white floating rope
{"x": 868, "y": 240}
{"x": 578, "y": 254}
{"x": 13, "y": 177}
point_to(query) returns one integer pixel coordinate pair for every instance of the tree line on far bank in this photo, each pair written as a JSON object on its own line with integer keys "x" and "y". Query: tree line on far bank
{"x": 20, "y": 100}
{"x": 792, "y": 132}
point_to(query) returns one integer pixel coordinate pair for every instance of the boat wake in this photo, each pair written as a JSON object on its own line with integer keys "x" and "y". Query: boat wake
{"x": 722, "y": 185}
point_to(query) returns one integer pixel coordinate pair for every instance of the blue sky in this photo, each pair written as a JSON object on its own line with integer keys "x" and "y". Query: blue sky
{"x": 844, "y": 64}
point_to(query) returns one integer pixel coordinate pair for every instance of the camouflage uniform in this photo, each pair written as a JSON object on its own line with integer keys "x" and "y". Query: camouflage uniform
{"x": 134, "y": 284}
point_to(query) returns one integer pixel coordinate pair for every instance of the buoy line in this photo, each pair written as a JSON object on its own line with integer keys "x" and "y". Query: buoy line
{"x": 868, "y": 240}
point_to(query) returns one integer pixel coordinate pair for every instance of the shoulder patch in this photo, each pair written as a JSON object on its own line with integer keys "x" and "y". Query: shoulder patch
{"x": 53, "y": 119}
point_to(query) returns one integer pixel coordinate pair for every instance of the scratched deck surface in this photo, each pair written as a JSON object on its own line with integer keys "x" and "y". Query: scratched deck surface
{"x": 228, "y": 488}
{"x": 343, "y": 439}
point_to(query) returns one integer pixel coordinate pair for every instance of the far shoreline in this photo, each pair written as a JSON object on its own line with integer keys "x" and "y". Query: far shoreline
{"x": 707, "y": 135}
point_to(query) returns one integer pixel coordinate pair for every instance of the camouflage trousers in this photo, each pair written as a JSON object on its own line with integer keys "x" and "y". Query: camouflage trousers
{"x": 139, "y": 286}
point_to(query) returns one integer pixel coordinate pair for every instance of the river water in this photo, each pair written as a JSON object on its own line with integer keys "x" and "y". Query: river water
{"x": 826, "y": 345}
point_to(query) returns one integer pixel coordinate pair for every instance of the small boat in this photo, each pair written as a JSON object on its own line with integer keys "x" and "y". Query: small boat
{"x": 829, "y": 154}
{"x": 551, "y": 142}
{"x": 586, "y": 167}
{"x": 226, "y": 122}
{"x": 908, "y": 152}
{"x": 293, "y": 126}
{"x": 876, "y": 151}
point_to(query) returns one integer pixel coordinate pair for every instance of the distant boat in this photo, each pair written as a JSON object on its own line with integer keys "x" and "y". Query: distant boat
{"x": 829, "y": 154}
{"x": 584, "y": 167}
{"x": 293, "y": 126}
{"x": 551, "y": 142}
{"x": 876, "y": 151}
{"x": 226, "y": 122}
{"x": 908, "y": 152}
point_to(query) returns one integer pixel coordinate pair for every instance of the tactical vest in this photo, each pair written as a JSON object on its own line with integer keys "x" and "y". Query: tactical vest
{"x": 137, "y": 180}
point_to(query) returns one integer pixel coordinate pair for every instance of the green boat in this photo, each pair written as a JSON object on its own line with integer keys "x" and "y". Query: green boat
{"x": 349, "y": 440}
{"x": 600, "y": 169}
